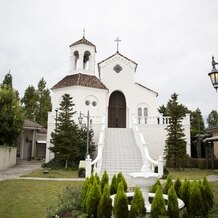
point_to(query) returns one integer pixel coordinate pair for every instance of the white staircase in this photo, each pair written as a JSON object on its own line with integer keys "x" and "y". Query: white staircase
{"x": 120, "y": 152}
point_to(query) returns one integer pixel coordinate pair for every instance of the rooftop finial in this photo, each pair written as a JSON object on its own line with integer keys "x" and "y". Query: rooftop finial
{"x": 84, "y": 32}
{"x": 117, "y": 40}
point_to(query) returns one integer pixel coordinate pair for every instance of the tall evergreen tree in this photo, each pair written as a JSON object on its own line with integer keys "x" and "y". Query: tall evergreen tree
{"x": 30, "y": 103}
{"x": 175, "y": 149}
{"x": 7, "y": 82}
{"x": 66, "y": 138}
{"x": 212, "y": 119}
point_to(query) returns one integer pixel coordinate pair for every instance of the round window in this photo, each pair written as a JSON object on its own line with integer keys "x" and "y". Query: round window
{"x": 94, "y": 103}
{"x": 87, "y": 102}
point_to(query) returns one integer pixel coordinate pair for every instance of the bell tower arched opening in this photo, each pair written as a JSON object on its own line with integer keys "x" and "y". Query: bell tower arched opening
{"x": 117, "y": 110}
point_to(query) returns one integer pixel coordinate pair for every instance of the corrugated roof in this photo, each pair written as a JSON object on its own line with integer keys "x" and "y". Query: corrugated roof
{"x": 80, "y": 80}
{"x": 83, "y": 41}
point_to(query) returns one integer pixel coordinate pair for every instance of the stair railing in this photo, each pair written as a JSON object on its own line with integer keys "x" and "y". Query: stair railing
{"x": 97, "y": 162}
{"x": 143, "y": 146}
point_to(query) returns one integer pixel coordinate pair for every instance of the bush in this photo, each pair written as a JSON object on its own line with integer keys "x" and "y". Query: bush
{"x": 105, "y": 204}
{"x": 84, "y": 193}
{"x": 158, "y": 204}
{"x": 121, "y": 178}
{"x": 184, "y": 192}
{"x": 168, "y": 184}
{"x": 82, "y": 173}
{"x": 173, "y": 208}
{"x": 137, "y": 205}
{"x": 120, "y": 203}
{"x": 104, "y": 181}
{"x": 177, "y": 186}
{"x": 93, "y": 198}
{"x": 154, "y": 187}
{"x": 113, "y": 187}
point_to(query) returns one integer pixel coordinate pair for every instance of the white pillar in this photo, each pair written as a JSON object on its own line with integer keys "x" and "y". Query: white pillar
{"x": 160, "y": 167}
{"x": 88, "y": 166}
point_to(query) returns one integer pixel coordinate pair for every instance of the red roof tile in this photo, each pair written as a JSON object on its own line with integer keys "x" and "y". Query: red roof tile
{"x": 80, "y": 80}
{"x": 83, "y": 41}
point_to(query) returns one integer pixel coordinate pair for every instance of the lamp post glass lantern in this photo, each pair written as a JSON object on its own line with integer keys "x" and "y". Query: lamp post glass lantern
{"x": 80, "y": 119}
{"x": 214, "y": 74}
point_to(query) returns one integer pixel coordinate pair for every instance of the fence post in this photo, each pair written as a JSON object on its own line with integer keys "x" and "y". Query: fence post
{"x": 88, "y": 166}
{"x": 160, "y": 167}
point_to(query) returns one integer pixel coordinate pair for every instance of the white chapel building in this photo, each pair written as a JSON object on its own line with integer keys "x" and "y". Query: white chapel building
{"x": 115, "y": 101}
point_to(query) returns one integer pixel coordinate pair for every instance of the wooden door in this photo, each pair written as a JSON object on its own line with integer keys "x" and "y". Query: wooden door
{"x": 117, "y": 110}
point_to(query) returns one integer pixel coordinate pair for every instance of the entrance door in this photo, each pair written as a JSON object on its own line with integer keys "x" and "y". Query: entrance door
{"x": 117, "y": 110}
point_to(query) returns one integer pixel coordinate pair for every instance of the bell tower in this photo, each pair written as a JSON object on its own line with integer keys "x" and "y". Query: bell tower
{"x": 82, "y": 57}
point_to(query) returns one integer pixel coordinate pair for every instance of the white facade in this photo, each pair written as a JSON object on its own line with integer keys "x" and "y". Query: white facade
{"x": 111, "y": 93}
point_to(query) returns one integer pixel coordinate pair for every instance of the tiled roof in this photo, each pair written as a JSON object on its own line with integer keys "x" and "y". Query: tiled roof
{"x": 28, "y": 124}
{"x": 83, "y": 41}
{"x": 80, "y": 80}
{"x": 121, "y": 56}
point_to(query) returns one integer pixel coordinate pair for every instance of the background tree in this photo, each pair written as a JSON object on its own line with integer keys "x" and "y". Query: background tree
{"x": 66, "y": 138}
{"x": 11, "y": 116}
{"x": 212, "y": 119}
{"x": 175, "y": 149}
{"x": 197, "y": 123}
{"x": 29, "y": 102}
{"x": 44, "y": 103}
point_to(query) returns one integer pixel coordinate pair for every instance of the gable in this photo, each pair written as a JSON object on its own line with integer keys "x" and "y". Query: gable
{"x": 80, "y": 80}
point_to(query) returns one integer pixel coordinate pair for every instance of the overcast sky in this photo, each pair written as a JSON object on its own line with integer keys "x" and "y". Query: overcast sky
{"x": 172, "y": 41}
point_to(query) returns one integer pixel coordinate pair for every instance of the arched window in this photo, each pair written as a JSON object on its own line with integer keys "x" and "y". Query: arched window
{"x": 86, "y": 60}
{"x": 145, "y": 114}
{"x": 76, "y": 59}
{"x": 139, "y": 114}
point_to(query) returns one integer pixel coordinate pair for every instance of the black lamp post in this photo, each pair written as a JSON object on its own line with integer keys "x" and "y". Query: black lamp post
{"x": 80, "y": 119}
{"x": 214, "y": 74}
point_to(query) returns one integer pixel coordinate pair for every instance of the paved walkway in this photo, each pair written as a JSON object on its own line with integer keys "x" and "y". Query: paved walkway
{"x": 25, "y": 167}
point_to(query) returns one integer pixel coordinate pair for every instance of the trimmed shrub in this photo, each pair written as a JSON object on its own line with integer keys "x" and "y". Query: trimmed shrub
{"x": 169, "y": 183}
{"x": 137, "y": 205}
{"x": 196, "y": 204}
{"x": 84, "y": 193}
{"x": 104, "y": 180}
{"x": 97, "y": 179}
{"x": 158, "y": 204}
{"x": 120, "y": 203}
{"x": 93, "y": 198}
{"x": 177, "y": 186}
{"x": 113, "y": 187}
{"x": 154, "y": 187}
{"x": 184, "y": 192}
{"x": 173, "y": 208}
{"x": 105, "y": 204}
{"x": 121, "y": 178}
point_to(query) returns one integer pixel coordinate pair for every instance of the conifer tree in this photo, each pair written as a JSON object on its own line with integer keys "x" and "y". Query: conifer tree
{"x": 154, "y": 187}
{"x": 120, "y": 203}
{"x": 196, "y": 204}
{"x": 137, "y": 205}
{"x": 93, "y": 200}
{"x": 121, "y": 178}
{"x": 212, "y": 119}
{"x": 113, "y": 186}
{"x": 184, "y": 192}
{"x": 169, "y": 183}
{"x": 175, "y": 149}
{"x": 105, "y": 204}
{"x": 177, "y": 186}
{"x": 158, "y": 204}
{"x": 172, "y": 205}
{"x": 104, "y": 180}
{"x": 84, "y": 193}
{"x": 66, "y": 138}
{"x": 97, "y": 179}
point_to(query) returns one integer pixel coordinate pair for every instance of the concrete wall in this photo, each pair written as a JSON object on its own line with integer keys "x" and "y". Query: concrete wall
{"x": 7, "y": 157}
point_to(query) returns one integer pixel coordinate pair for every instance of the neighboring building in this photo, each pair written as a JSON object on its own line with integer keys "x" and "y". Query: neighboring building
{"x": 32, "y": 142}
{"x": 214, "y": 139}
{"x": 111, "y": 95}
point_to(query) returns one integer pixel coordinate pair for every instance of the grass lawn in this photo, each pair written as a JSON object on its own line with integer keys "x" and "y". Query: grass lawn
{"x": 62, "y": 173}
{"x": 191, "y": 173}
{"x": 29, "y": 198}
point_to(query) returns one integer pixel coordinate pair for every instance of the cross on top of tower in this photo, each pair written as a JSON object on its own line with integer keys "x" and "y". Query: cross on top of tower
{"x": 84, "y": 32}
{"x": 117, "y": 40}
